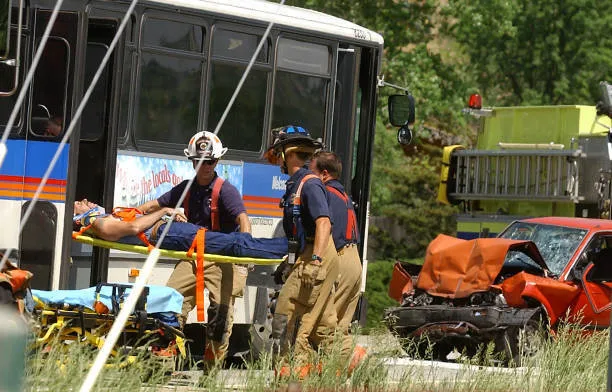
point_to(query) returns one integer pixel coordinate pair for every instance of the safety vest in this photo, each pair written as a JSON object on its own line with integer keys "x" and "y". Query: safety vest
{"x": 215, "y": 224}
{"x": 351, "y": 218}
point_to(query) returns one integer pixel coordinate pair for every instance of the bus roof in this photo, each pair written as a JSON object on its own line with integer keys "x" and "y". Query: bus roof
{"x": 267, "y": 11}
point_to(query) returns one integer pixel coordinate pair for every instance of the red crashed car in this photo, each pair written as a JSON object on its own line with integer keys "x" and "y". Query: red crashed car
{"x": 538, "y": 272}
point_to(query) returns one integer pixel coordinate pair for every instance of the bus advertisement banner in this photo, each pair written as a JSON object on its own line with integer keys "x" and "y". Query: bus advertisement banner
{"x": 139, "y": 179}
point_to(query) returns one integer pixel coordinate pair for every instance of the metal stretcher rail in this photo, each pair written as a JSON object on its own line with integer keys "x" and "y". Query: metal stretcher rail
{"x": 174, "y": 253}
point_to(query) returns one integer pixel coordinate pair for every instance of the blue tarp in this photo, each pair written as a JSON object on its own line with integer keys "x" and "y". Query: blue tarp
{"x": 161, "y": 299}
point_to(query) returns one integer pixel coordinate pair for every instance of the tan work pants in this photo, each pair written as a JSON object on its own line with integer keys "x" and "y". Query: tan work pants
{"x": 300, "y": 309}
{"x": 347, "y": 293}
{"x": 346, "y": 297}
{"x": 223, "y": 282}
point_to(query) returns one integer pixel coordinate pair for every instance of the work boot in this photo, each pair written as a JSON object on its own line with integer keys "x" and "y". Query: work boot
{"x": 359, "y": 355}
{"x": 300, "y": 372}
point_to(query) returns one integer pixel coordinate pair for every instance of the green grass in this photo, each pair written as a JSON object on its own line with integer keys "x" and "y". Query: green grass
{"x": 572, "y": 361}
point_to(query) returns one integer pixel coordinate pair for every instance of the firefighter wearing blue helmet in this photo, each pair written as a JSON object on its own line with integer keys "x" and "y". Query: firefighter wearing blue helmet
{"x": 312, "y": 262}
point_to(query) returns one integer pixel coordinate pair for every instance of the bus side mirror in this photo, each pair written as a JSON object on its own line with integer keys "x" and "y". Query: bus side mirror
{"x": 404, "y": 135}
{"x": 401, "y": 110}
{"x": 401, "y": 114}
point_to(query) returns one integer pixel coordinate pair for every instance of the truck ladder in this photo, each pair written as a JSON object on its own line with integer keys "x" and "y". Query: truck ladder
{"x": 550, "y": 175}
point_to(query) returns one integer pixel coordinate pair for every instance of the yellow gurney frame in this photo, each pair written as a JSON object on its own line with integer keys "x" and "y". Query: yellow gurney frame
{"x": 86, "y": 326}
{"x": 175, "y": 254}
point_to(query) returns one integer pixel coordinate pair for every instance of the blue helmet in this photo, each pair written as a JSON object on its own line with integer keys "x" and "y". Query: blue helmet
{"x": 294, "y": 136}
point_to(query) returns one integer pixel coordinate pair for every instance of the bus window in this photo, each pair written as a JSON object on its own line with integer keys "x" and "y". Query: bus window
{"x": 129, "y": 59}
{"x": 169, "y": 98}
{"x": 94, "y": 114}
{"x": 300, "y": 99}
{"x": 173, "y": 35}
{"x": 7, "y": 83}
{"x": 124, "y": 100}
{"x": 237, "y": 46}
{"x": 5, "y": 17}
{"x": 243, "y": 127}
{"x": 169, "y": 95}
{"x": 49, "y": 90}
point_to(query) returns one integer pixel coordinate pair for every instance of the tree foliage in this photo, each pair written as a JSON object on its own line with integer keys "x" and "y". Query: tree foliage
{"x": 519, "y": 52}
{"x": 529, "y": 52}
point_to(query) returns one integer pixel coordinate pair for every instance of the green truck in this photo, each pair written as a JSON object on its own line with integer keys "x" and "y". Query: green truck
{"x": 529, "y": 161}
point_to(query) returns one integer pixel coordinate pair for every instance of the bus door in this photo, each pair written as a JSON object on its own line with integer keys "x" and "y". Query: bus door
{"x": 48, "y": 113}
{"x": 353, "y": 134}
{"x": 345, "y": 107}
{"x": 95, "y": 163}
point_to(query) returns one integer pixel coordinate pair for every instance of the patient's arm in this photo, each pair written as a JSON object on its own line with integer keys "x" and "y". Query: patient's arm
{"x": 150, "y": 206}
{"x": 111, "y": 229}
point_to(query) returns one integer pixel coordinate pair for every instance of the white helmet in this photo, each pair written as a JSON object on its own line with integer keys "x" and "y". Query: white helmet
{"x": 204, "y": 146}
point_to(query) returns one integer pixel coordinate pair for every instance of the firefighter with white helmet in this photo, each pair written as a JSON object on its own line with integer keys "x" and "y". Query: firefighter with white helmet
{"x": 204, "y": 146}
{"x": 215, "y": 204}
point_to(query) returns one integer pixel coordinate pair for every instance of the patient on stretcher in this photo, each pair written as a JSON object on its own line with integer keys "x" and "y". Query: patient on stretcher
{"x": 112, "y": 227}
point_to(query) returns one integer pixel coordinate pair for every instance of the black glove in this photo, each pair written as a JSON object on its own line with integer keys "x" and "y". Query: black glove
{"x": 603, "y": 109}
{"x": 281, "y": 272}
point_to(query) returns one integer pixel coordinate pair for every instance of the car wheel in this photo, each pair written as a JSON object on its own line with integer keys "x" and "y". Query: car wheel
{"x": 518, "y": 344}
{"x": 424, "y": 348}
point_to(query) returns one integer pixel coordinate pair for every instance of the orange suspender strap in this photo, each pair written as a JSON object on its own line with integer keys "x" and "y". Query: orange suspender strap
{"x": 297, "y": 199}
{"x": 129, "y": 214}
{"x": 298, "y": 194}
{"x": 83, "y": 229}
{"x": 199, "y": 244}
{"x": 351, "y": 221}
{"x": 214, "y": 205}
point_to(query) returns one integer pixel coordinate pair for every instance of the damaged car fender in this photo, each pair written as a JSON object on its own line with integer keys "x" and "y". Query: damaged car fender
{"x": 554, "y": 296}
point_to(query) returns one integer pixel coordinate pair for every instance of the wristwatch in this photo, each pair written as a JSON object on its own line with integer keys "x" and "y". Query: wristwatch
{"x": 317, "y": 258}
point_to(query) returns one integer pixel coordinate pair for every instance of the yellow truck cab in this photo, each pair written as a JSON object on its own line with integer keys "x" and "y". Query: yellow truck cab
{"x": 529, "y": 161}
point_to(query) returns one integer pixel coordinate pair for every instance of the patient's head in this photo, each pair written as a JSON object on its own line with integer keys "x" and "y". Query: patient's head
{"x": 82, "y": 206}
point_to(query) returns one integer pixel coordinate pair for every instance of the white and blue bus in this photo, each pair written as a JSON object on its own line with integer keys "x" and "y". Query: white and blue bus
{"x": 173, "y": 72}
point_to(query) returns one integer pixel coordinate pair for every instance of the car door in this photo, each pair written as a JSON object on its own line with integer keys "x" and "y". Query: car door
{"x": 593, "y": 273}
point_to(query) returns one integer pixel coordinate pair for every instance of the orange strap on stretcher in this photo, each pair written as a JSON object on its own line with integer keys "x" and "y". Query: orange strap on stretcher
{"x": 126, "y": 214}
{"x": 199, "y": 244}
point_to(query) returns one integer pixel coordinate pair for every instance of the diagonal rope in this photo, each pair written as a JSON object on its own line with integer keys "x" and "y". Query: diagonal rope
{"x": 151, "y": 261}
{"x": 73, "y": 123}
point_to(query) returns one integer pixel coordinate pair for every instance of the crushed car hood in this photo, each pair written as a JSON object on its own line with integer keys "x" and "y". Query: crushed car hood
{"x": 456, "y": 268}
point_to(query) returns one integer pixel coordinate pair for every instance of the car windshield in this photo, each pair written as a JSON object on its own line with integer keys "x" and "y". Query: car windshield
{"x": 556, "y": 244}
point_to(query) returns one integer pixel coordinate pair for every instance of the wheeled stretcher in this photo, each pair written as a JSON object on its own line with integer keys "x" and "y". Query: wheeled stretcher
{"x": 86, "y": 316}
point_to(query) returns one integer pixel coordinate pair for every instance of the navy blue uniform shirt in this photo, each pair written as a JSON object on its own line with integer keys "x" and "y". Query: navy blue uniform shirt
{"x": 313, "y": 200}
{"x": 230, "y": 204}
{"x": 339, "y": 211}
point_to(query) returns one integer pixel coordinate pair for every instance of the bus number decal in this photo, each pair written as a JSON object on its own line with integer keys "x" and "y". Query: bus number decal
{"x": 361, "y": 34}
